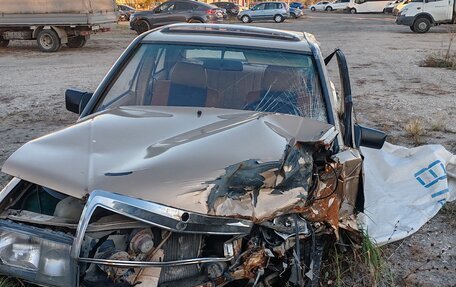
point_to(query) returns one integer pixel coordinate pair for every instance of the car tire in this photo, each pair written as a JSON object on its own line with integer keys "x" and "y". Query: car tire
{"x": 48, "y": 41}
{"x": 421, "y": 25}
{"x": 246, "y": 19}
{"x": 353, "y": 11}
{"x": 312, "y": 9}
{"x": 329, "y": 9}
{"x": 142, "y": 26}
{"x": 384, "y": 11}
{"x": 3, "y": 43}
{"x": 278, "y": 18}
{"x": 293, "y": 15}
{"x": 412, "y": 28}
{"x": 76, "y": 42}
{"x": 193, "y": 20}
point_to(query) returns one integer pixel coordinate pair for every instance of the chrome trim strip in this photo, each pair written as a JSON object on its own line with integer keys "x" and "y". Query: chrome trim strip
{"x": 123, "y": 263}
{"x": 168, "y": 218}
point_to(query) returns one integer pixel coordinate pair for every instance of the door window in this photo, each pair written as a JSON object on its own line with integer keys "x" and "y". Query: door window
{"x": 166, "y": 7}
{"x": 183, "y": 6}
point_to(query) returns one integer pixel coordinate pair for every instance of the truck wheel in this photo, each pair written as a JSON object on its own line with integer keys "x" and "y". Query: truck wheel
{"x": 3, "y": 43}
{"x": 76, "y": 42}
{"x": 142, "y": 26}
{"x": 421, "y": 25}
{"x": 353, "y": 11}
{"x": 48, "y": 41}
{"x": 278, "y": 18}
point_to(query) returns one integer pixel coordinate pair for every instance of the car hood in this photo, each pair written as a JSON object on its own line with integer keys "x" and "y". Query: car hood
{"x": 169, "y": 155}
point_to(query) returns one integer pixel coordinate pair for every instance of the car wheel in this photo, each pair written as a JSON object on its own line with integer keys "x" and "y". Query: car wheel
{"x": 293, "y": 15}
{"x": 312, "y": 9}
{"x": 278, "y": 18}
{"x": 245, "y": 19}
{"x": 329, "y": 9}
{"x": 384, "y": 11}
{"x": 353, "y": 11}
{"x": 3, "y": 43}
{"x": 76, "y": 42}
{"x": 48, "y": 41}
{"x": 193, "y": 20}
{"x": 142, "y": 26}
{"x": 421, "y": 25}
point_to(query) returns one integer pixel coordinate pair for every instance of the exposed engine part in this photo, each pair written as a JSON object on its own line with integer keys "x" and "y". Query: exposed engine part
{"x": 108, "y": 251}
{"x": 178, "y": 247}
{"x": 142, "y": 241}
{"x": 69, "y": 208}
{"x": 289, "y": 222}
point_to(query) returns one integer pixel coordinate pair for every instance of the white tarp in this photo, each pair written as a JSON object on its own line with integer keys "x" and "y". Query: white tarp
{"x": 404, "y": 188}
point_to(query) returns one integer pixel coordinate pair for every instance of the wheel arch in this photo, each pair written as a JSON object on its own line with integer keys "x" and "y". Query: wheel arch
{"x": 424, "y": 15}
{"x": 60, "y": 32}
{"x": 196, "y": 18}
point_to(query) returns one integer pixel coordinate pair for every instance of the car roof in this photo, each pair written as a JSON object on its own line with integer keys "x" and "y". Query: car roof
{"x": 232, "y": 35}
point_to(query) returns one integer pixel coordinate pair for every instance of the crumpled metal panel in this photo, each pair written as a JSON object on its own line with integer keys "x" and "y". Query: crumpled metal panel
{"x": 177, "y": 156}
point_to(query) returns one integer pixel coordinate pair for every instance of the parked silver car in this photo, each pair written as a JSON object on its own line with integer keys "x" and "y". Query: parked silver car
{"x": 277, "y": 11}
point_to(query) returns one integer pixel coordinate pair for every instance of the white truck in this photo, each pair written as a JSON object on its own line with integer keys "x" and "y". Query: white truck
{"x": 54, "y": 22}
{"x": 420, "y": 15}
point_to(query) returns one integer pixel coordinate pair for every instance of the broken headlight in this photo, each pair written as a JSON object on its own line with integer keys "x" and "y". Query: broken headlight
{"x": 36, "y": 255}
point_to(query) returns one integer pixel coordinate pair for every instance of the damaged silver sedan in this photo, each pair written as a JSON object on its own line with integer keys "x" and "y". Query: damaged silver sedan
{"x": 210, "y": 155}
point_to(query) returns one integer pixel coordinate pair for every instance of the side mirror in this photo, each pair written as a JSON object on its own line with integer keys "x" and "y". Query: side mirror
{"x": 76, "y": 100}
{"x": 368, "y": 137}
{"x": 156, "y": 11}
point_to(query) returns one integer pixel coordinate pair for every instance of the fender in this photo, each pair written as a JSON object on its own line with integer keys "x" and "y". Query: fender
{"x": 425, "y": 15}
{"x": 60, "y": 32}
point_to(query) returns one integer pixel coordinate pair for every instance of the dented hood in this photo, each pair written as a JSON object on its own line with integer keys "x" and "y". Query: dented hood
{"x": 169, "y": 155}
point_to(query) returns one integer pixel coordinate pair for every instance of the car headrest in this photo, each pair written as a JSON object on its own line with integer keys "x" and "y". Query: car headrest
{"x": 189, "y": 74}
{"x": 278, "y": 78}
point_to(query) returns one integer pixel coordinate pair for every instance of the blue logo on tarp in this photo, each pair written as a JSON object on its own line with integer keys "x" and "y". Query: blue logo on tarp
{"x": 430, "y": 176}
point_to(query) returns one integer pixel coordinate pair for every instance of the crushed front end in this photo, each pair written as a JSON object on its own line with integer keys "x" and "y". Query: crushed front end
{"x": 261, "y": 221}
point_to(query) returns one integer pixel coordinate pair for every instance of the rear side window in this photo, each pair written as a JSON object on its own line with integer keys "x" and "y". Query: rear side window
{"x": 182, "y": 6}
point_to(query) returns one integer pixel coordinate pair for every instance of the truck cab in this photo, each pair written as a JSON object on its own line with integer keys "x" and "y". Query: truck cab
{"x": 420, "y": 15}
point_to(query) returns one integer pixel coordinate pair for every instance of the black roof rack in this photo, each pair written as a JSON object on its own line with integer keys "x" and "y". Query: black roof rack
{"x": 232, "y": 30}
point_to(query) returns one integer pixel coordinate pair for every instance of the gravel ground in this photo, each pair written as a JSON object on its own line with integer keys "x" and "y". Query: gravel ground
{"x": 389, "y": 87}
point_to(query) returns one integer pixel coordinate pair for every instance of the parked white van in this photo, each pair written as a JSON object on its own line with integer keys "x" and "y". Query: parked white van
{"x": 367, "y": 6}
{"x": 420, "y": 15}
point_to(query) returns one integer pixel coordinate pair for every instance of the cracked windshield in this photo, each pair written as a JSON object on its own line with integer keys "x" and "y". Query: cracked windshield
{"x": 229, "y": 78}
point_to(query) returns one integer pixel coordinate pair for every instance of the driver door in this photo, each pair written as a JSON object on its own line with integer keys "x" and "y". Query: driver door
{"x": 163, "y": 14}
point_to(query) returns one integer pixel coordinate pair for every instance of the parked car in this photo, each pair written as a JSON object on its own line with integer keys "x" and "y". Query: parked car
{"x": 399, "y": 7}
{"x": 295, "y": 13}
{"x": 277, "y": 11}
{"x": 175, "y": 12}
{"x": 216, "y": 154}
{"x": 389, "y": 8}
{"x": 319, "y": 6}
{"x": 231, "y": 8}
{"x": 337, "y": 5}
{"x": 297, "y": 5}
{"x": 125, "y": 12}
